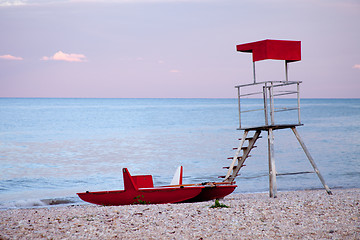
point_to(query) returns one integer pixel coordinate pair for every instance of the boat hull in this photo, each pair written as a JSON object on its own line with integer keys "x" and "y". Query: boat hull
{"x": 142, "y": 196}
{"x": 213, "y": 192}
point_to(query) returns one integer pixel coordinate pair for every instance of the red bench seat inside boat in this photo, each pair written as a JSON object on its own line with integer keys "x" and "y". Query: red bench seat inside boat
{"x": 143, "y": 181}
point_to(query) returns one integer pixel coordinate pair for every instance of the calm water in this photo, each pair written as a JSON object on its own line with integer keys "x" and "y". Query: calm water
{"x": 52, "y": 148}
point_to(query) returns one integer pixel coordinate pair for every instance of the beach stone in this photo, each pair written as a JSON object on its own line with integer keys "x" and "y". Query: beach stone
{"x": 293, "y": 215}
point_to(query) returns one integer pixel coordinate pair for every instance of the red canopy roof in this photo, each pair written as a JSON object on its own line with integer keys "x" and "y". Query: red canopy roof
{"x": 273, "y": 49}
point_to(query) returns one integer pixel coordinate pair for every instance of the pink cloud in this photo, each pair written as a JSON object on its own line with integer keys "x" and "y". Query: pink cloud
{"x": 357, "y": 66}
{"x": 68, "y": 57}
{"x": 174, "y": 71}
{"x": 10, "y": 57}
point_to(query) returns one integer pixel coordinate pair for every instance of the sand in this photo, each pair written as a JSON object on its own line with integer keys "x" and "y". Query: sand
{"x": 292, "y": 215}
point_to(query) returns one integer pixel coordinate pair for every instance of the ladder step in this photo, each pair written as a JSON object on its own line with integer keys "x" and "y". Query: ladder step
{"x": 228, "y": 167}
{"x": 243, "y": 148}
{"x": 233, "y": 167}
{"x": 251, "y": 148}
{"x": 249, "y": 138}
{"x": 225, "y": 176}
{"x": 238, "y": 157}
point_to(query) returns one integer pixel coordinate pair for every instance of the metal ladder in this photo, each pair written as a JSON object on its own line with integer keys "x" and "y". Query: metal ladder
{"x": 238, "y": 161}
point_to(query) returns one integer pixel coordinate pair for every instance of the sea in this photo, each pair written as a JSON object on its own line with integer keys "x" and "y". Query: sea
{"x": 53, "y": 148}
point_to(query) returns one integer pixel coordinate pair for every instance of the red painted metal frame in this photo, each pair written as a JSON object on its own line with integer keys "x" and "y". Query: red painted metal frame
{"x": 289, "y": 51}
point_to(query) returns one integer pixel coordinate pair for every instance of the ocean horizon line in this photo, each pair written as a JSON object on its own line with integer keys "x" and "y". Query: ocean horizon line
{"x": 325, "y": 98}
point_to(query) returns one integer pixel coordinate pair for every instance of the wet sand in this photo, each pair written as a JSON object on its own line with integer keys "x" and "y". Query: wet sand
{"x": 292, "y": 215}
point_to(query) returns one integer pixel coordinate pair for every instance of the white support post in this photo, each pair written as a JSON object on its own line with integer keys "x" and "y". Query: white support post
{"x": 298, "y": 101}
{"x": 239, "y": 107}
{"x": 265, "y": 104}
{"x": 311, "y": 160}
{"x": 272, "y": 170}
{"x": 254, "y": 72}
{"x": 272, "y": 107}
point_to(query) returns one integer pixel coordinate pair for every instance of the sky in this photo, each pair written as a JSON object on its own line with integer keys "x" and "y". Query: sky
{"x": 173, "y": 48}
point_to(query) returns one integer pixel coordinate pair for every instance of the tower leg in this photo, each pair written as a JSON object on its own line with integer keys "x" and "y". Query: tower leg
{"x": 272, "y": 170}
{"x": 311, "y": 160}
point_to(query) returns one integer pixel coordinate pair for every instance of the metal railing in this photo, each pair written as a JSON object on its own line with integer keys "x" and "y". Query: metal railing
{"x": 268, "y": 91}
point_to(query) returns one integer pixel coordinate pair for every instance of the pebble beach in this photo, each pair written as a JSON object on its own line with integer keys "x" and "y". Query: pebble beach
{"x": 308, "y": 214}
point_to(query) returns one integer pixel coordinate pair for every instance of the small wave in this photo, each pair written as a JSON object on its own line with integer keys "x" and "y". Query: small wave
{"x": 22, "y": 204}
{"x": 57, "y": 201}
{"x": 34, "y": 203}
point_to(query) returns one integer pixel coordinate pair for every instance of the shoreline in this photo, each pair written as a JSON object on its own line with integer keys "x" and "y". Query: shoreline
{"x": 48, "y": 202}
{"x": 305, "y": 214}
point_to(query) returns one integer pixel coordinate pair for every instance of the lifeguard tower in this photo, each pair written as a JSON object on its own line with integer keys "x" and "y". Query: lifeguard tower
{"x": 289, "y": 51}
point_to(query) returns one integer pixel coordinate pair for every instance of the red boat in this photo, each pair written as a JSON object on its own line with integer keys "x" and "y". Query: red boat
{"x": 140, "y": 190}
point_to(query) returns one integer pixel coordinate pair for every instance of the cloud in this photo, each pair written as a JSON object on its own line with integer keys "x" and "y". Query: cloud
{"x": 11, "y": 3}
{"x": 356, "y": 66}
{"x": 10, "y": 57}
{"x": 135, "y": 1}
{"x": 68, "y": 57}
{"x": 14, "y": 3}
{"x": 174, "y": 71}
